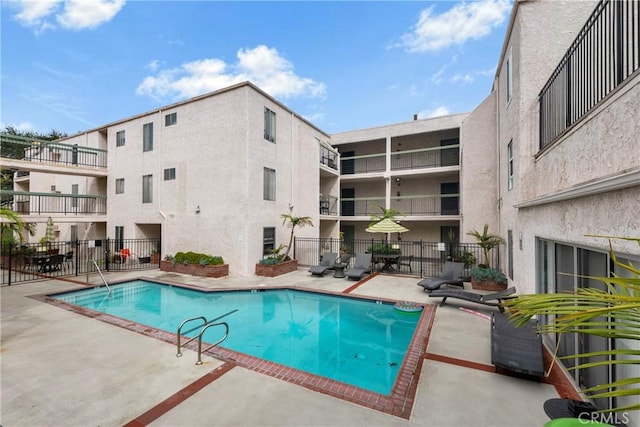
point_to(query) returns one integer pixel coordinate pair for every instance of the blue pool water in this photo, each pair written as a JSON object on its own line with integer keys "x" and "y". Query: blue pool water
{"x": 354, "y": 341}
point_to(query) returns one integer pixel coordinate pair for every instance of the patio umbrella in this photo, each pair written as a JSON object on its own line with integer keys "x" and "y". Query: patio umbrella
{"x": 50, "y": 234}
{"x": 386, "y": 225}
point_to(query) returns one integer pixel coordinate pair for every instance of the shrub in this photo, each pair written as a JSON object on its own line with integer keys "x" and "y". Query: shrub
{"x": 481, "y": 274}
{"x": 195, "y": 258}
{"x": 383, "y": 248}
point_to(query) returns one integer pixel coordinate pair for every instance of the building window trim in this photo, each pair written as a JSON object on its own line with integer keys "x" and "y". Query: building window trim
{"x": 269, "y": 125}
{"x": 510, "y": 165}
{"x": 269, "y": 184}
{"x": 171, "y": 119}
{"x": 147, "y": 137}
{"x": 120, "y": 138}
{"x": 170, "y": 174}
{"x": 509, "y": 71}
{"x": 119, "y": 186}
{"x": 147, "y": 188}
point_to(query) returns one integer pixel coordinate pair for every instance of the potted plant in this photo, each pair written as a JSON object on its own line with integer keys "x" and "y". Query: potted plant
{"x": 485, "y": 277}
{"x": 195, "y": 264}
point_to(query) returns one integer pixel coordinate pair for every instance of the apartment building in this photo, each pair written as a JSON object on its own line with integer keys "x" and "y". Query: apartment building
{"x": 412, "y": 168}
{"x": 212, "y": 174}
{"x": 561, "y": 127}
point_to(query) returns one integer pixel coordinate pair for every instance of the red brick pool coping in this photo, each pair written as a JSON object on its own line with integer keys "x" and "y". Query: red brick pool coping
{"x": 398, "y": 403}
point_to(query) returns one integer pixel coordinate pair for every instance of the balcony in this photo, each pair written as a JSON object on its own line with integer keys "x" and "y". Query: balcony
{"x": 423, "y": 158}
{"x": 328, "y": 205}
{"x": 26, "y": 203}
{"x": 418, "y": 205}
{"x": 328, "y": 157}
{"x": 20, "y": 148}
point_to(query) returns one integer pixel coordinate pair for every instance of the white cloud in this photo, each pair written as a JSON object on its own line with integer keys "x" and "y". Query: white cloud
{"x": 81, "y": 14}
{"x": 70, "y": 14}
{"x": 261, "y": 65}
{"x": 464, "y": 78}
{"x": 435, "y": 112}
{"x": 463, "y": 22}
{"x": 153, "y": 65}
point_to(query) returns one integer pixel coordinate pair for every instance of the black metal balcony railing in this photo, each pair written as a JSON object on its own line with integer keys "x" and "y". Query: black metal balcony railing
{"x": 431, "y": 205}
{"x": 26, "y": 203}
{"x": 431, "y": 157}
{"x": 328, "y": 157}
{"x": 328, "y": 205}
{"x": 21, "y": 148}
{"x": 604, "y": 54}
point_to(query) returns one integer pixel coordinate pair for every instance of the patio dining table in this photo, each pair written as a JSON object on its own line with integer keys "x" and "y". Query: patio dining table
{"x": 388, "y": 261}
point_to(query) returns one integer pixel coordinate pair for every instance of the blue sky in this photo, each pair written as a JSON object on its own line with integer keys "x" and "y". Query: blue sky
{"x": 72, "y": 65}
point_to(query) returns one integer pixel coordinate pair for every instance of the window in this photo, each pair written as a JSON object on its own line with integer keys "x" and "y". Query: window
{"x": 120, "y": 138}
{"x": 268, "y": 240}
{"x": 119, "y": 185}
{"x": 171, "y": 119}
{"x": 74, "y": 191}
{"x": 147, "y": 188}
{"x": 510, "y": 252}
{"x": 119, "y": 244}
{"x": 269, "y": 125}
{"x": 147, "y": 137}
{"x": 510, "y": 165}
{"x": 269, "y": 184}
{"x": 509, "y": 76}
{"x": 74, "y": 233}
{"x": 170, "y": 174}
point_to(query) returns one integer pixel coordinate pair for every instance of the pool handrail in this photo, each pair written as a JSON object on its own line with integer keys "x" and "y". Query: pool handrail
{"x": 226, "y": 334}
{"x": 206, "y": 323}
{"x": 103, "y": 279}
{"x": 184, "y": 322}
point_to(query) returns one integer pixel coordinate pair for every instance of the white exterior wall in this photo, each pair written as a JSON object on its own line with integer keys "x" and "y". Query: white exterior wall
{"x": 218, "y": 150}
{"x": 539, "y": 35}
{"x": 478, "y": 176}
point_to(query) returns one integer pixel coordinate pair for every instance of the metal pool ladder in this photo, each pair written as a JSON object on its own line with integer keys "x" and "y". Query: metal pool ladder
{"x": 103, "y": 279}
{"x": 206, "y": 324}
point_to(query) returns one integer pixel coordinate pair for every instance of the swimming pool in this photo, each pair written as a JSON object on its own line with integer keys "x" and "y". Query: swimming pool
{"x": 355, "y": 341}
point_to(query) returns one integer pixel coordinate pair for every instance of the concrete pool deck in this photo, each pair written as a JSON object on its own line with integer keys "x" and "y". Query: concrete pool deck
{"x": 62, "y": 368}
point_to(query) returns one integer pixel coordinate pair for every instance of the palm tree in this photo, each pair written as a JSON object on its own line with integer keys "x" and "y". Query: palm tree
{"x": 294, "y": 221}
{"x": 12, "y": 224}
{"x": 486, "y": 241}
{"x": 613, "y": 313}
{"x": 386, "y": 213}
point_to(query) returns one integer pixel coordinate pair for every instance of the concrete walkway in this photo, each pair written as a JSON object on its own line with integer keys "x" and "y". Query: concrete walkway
{"x": 61, "y": 368}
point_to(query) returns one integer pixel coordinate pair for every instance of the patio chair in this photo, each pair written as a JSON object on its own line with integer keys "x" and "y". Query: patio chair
{"x": 492, "y": 300}
{"x": 450, "y": 276}
{"x": 405, "y": 260}
{"x": 361, "y": 266}
{"x": 327, "y": 263}
{"x": 68, "y": 260}
{"x": 517, "y": 349}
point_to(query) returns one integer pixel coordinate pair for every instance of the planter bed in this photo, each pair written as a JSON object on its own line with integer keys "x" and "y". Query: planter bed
{"x": 196, "y": 269}
{"x": 272, "y": 270}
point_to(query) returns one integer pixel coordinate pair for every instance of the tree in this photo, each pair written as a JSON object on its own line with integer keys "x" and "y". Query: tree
{"x": 15, "y": 150}
{"x": 486, "y": 241}
{"x": 13, "y": 224}
{"x": 613, "y": 313}
{"x": 294, "y": 221}
{"x": 386, "y": 213}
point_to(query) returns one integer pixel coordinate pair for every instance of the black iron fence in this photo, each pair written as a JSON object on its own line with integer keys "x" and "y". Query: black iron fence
{"x": 418, "y": 258}
{"x": 604, "y": 54}
{"x": 23, "y": 263}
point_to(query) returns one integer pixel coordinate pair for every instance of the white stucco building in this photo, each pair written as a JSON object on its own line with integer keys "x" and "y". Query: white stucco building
{"x": 551, "y": 156}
